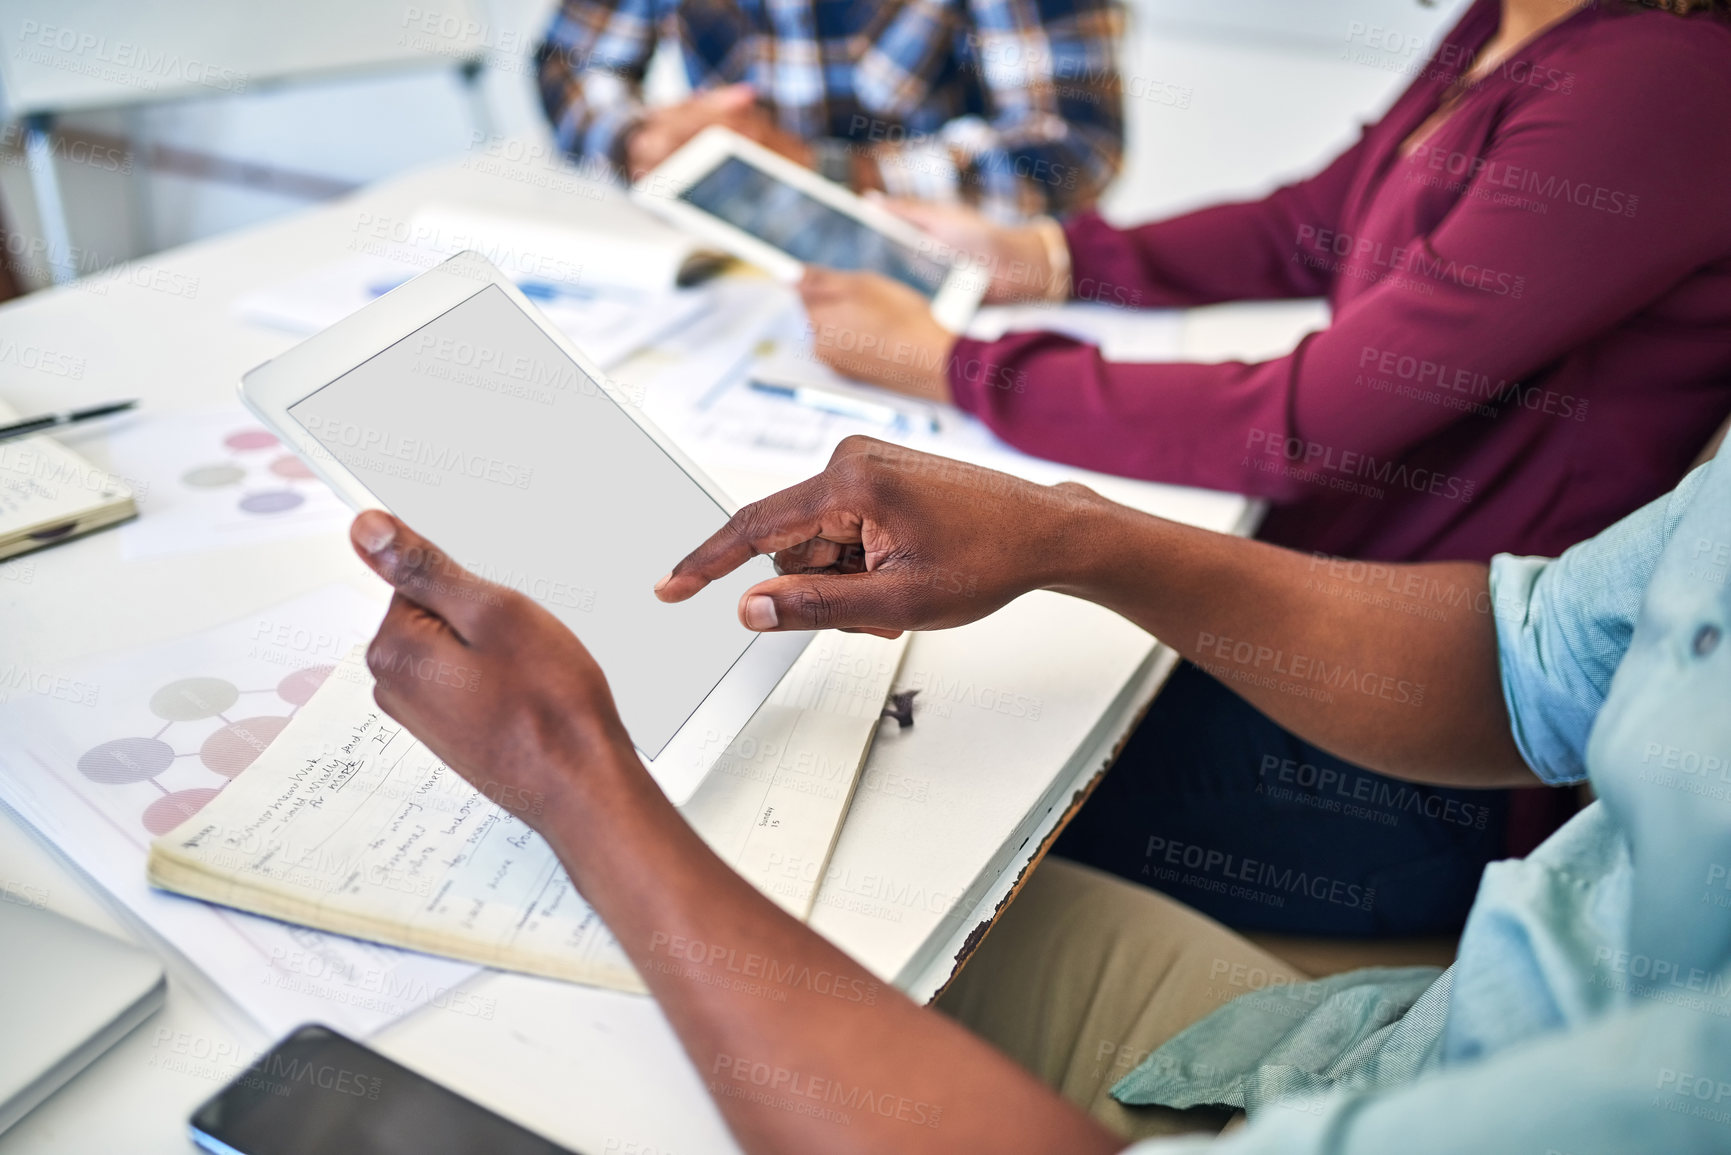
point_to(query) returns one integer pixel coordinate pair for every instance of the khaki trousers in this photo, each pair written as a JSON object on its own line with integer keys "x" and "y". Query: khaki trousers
{"x": 1085, "y": 974}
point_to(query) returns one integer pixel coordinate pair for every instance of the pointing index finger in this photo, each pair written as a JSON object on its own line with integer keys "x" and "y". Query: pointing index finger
{"x": 777, "y": 522}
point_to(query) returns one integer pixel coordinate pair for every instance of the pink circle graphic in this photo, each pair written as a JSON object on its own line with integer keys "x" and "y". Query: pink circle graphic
{"x": 250, "y": 439}
{"x": 291, "y": 467}
{"x": 297, "y": 689}
{"x": 234, "y": 747}
{"x": 171, "y": 810}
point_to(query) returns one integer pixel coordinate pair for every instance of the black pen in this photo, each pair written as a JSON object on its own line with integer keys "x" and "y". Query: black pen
{"x": 54, "y": 420}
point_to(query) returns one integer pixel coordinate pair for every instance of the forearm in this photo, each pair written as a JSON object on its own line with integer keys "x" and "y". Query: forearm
{"x": 801, "y": 1047}
{"x": 1227, "y": 252}
{"x": 1391, "y": 666}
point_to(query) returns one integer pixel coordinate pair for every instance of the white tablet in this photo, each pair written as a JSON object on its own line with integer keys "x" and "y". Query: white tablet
{"x": 453, "y": 404}
{"x": 763, "y": 208}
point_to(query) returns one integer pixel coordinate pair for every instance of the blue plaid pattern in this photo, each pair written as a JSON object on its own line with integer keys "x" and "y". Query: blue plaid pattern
{"x": 1013, "y": 105}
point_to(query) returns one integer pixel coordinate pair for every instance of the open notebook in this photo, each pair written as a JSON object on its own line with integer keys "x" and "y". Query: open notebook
{"x": 49, "y": 494}
{"x": 349, "y": 824}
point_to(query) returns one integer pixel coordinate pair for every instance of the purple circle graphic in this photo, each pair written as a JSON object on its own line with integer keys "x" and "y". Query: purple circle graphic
{"x": 126, "y": 760}
{"x": 250, "y": 439}
{"x": 297, "y": 689}
{"x": 271, "y": 501}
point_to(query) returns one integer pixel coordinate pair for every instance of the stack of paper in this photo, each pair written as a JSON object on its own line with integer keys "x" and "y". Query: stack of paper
{"x": 609, "y": 324}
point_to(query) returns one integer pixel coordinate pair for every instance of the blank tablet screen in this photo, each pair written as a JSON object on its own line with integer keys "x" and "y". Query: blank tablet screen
{"x": 485, "y": 438}
{"x": 806, "y": 229}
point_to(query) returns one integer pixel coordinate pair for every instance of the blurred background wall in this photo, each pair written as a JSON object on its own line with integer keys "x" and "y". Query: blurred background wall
{"x": 1223, "y": 98}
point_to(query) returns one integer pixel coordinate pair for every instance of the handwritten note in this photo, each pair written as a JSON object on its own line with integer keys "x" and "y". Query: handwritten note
{"x": 348, "y": 823}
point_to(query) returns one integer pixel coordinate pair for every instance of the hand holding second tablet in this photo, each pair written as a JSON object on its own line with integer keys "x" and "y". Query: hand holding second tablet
{"x": 887, "y": 539}
{"x": 1018, "y": 258}
{"x": 879, "y": 331}
{"x": 494, "y": 684}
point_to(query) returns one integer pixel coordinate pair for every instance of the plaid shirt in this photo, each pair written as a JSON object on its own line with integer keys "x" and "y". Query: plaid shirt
{"x": 1014, "y": 105}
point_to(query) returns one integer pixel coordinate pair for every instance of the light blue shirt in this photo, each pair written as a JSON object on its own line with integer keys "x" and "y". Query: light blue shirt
{"x": 1589, "y": 1008}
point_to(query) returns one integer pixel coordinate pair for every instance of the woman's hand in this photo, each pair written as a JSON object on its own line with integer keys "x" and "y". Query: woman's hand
{"x": 879, "y": 331}
{"x": 1017, "y": 257}
{"x": 495, "y": 685}
{"x": 887, "y": 539}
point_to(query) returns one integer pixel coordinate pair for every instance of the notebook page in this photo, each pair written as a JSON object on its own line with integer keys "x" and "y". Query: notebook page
{"x": 350, "y": 824}
{"x": 44, "y": 484}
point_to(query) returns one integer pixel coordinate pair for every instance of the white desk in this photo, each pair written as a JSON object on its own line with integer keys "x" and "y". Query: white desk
{"x": 597, "y": 1071}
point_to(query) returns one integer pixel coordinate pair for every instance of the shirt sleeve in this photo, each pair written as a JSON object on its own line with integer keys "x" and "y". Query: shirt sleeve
{"x": 1052, "y": 136}
{"x": 1493, "y": 291}
{"x": 1563, "y": 627}
{"x": 1633, "y": 1081}
{"x": 1230, "y": 252}
{"x": 590, "y": 69}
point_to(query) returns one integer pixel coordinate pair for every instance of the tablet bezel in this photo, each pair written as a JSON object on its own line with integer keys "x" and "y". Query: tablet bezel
{"x": 660, "y": 190}
{"x": 270, "y": 389}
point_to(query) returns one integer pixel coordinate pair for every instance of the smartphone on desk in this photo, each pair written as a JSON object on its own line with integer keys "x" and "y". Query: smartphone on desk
{"x": 318, "y": 1093}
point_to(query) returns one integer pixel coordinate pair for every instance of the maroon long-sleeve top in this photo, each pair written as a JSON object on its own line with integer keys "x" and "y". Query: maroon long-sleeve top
{"x": 1531, "y": 329}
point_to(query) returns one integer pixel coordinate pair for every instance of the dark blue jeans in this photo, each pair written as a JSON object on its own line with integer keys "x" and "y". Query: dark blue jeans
{"x": 1225, "y": 811}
